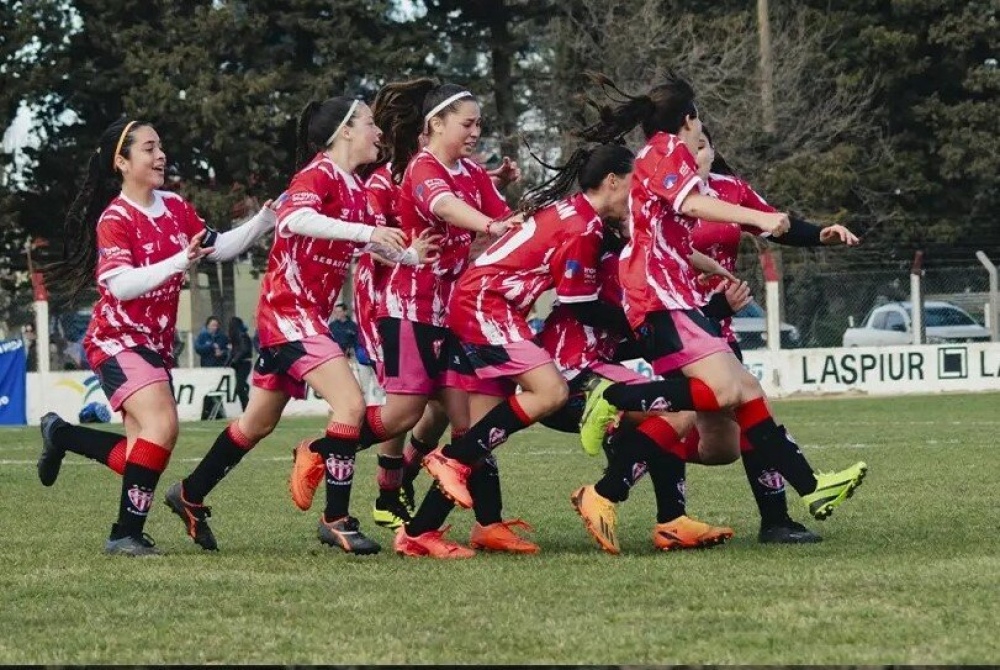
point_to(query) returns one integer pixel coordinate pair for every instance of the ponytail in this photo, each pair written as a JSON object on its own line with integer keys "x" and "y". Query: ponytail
{"x": 398, "y": 112}
{"x": 586, "y": 167}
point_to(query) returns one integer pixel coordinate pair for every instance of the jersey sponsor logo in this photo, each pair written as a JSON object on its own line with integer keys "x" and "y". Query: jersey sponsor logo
{"x": 281, "y": 199}
{"x": 573, "y": 268}
{"x": 141, "y": 500}
{"x": 669, "y": 181}
{"x": 340, "y": 469}
{"x": 685, "y": 169}
{"x": 304, "y": 198}
{"x": 111, "y": 252}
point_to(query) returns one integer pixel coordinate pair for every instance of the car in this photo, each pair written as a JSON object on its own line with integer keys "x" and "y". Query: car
{"x": 891, "y": 323}
{"x": 750, "y": 327}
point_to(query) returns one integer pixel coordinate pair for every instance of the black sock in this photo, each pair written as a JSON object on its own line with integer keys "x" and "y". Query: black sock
{"x": 145, "y": 464}
{"x": 338, "y": 455}
{"x": 490, "y": 432}
{"x": 389, "y": 477}
{"x": 666, "y": 472}
{"x": 227, "y": 451}
{"x": 94, "y": 444}
{"x": 484, "y": 486}
{"x": 625, "y": 462}
{"x": 776, "y": 449}
{"x": 413, "y": 455}
{"x": 431, "y": 514}
{"x": 674, "y": 394}
{"x": 768, "y": 488}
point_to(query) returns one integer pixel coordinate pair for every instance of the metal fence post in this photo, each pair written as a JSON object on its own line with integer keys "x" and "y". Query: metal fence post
{"x": 994, "y": 304}
{"x": 917, "y": 299}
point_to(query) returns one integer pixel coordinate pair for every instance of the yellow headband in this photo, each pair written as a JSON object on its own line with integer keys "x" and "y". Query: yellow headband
{"x": 121, "y": 141}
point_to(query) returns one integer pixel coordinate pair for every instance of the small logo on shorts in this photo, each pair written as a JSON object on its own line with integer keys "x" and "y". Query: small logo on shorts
{"x": 140, "y": 499}
{"x": 497, "y": 436}
{"x": 772, "y": 479}
{"x": 660, "y": 404}
{"x": 340, "y": 469}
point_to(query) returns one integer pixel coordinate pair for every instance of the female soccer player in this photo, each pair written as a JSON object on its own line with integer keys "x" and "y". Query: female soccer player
{"x": 324, "y": 217}
{"x": 662, "y": 298}
{"x": 721, "y": 241}
{"x": 141, "y": 240}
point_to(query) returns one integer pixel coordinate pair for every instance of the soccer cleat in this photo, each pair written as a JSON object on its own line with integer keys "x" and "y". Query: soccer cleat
{"x": 193, "y": 516}
{"x": 452, "y": 477}
{"x": 307, "y": 473}
{"x": 141, "y": 546}
{"x": 52, "y": 456}
{"x": 599, "y": 516}
{"x": 787, "y": 532}
{"x": 686, "y": 533}
{"x": 598, "y": 416}
{"x": 432, "y": 543}
{"x": 500, "y": 536}
{"x": 407, "y": 496}
{"x": 833, "y": 488}
{"x": 391, "y": 512}
{"x": 346, "y": 534}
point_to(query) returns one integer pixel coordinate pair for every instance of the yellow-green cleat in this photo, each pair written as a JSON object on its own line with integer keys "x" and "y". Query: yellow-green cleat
{"x": 598, "y": 416}
{"x": 833, "y": 488}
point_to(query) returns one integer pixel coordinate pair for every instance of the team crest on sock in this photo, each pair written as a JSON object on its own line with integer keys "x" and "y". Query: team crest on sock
{"x": 141, "y": 500}
{"x": 341, "y": 470}
{"x": 772, "y": 479}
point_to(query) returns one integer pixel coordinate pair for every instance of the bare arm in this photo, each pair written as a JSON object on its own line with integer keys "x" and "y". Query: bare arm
{"x": 700, "y": 206}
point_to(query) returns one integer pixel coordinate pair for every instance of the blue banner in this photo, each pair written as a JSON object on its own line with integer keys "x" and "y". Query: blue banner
{"x": 13, "y": 383}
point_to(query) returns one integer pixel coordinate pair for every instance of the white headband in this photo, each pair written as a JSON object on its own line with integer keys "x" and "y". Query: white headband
{"x": 347, "y": 117}
{"x": 447, "y": 101}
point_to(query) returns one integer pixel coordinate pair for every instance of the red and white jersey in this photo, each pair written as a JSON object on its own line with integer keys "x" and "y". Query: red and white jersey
{"x": 554, "y": 248}
{"x": 572, "y": 345}
{"x": 305, "y": 274}
{"x": 655, "y": 271}
{"x": 721, "y": 241}
{"x": 131, "y": 236}
{"x": 370, "y": 275}
{"x": 420, "y": 293}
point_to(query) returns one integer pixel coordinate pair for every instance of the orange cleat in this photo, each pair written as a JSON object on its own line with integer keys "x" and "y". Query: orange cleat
{"x": 686, "y": 533}
{"x": 452, "y": 477}
{"x": 307, "y": 473}
{"x": 599, "y": 516}
{"x": 500, "y": 536}
{"x": 432, "y": 543}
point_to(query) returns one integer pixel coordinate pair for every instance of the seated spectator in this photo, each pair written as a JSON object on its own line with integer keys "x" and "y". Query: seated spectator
{"x": 212, "y": 345}
{"x": 343, "y": 330}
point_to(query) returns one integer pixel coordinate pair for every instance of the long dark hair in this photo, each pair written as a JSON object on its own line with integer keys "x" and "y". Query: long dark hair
{"x": 664, "y": 108}
{"x": 719, "y": 164}
{"x": 101, "y": 185}
{"x": 317, "y": 122}
{"x": 587, "y": 166}
{"x": 401, "y": 108}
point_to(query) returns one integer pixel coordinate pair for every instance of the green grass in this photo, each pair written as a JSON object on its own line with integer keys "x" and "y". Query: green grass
{"x": 907, "y": 573}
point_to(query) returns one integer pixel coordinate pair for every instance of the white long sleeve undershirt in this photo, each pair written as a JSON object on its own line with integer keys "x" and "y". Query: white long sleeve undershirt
{"x": 232, "y": 243}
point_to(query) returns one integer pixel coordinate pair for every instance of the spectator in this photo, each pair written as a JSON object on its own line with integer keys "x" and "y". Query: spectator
{"x": 212, "y": 345}
{"x": 30, "y": 346}
{"x": 343, "y": 330}
{"x": 241, "y": 358}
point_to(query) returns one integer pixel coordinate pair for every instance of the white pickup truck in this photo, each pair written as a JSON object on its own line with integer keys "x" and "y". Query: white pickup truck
{"x": 891, "y": 323}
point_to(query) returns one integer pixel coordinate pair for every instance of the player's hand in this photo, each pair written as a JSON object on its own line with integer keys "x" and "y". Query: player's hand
{"x": 834, "y": 235}
{"x": 498, "y": 228}
{"x": 507, "y": 173}
{"x": 427, "y": 247}
{"x": 776, "y": 223}
{"x": 738, "y": 294}
{"x": 194, "y": 251}
{"x": 391, "y": 238}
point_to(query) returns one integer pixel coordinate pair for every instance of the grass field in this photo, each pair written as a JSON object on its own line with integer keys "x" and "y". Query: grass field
{"x": 907, "y": 573}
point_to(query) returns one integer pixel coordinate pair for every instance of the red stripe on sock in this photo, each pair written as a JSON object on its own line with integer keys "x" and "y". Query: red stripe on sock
{"x": 238, "y": 438}
{"x": 149, "y": 455}
{"x": 662, "y": 433}
{"x": 751, "y": 413}
{"x": 456, "y": 435}
{"x": 690, "y": 444}
{"x": 703, "y": 396}
{"x": 745, "y": 445}
{"x": 373, "y": 416}
{"x": 342, "y": 431}
{"x": 116, "y": 457}
{"x": 519, "y": 412}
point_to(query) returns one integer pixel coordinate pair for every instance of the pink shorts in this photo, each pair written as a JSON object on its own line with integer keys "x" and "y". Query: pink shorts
{"x": 413, "y": 357}
{"x": 283, "y": 367}
{"x": 617, "y": 373}
{"x": 129, "y": 371}
{"x": 488, "y": 369}
{"x": 676, "y": 338}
